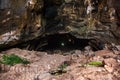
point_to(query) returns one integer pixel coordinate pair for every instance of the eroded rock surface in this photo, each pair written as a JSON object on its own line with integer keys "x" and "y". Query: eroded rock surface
{"x": 19, "y": 21}
{"x": 28, "y": 19}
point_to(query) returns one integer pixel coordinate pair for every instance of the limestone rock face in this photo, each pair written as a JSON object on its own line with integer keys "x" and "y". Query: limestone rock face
{"x": 27, "y": 19}
{"x": 19, "y": 20}
{"x": 88, "y": 19}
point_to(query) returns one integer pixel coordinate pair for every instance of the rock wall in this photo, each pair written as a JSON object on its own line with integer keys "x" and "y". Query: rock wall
{"x": 20, "y": 20}
{"x": 88, "y": 19}
{"x": 24, "y": 20}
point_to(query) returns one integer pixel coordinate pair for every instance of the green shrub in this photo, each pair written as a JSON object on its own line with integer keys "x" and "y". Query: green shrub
{"x": 60, "y": 70}
{"x": 95, "y": 63}
{"x": 13, "y": 59}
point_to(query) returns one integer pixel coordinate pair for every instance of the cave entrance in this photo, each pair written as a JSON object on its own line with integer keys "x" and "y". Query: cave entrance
{"x": 63, "y": 42}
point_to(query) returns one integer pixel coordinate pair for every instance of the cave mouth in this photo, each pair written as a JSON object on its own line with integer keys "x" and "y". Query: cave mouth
{"x": 63, "y": 42}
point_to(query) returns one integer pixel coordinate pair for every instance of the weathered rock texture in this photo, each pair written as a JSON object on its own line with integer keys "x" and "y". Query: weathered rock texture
{"x": 19, "y": 20}
{"x": 27, "y": 19}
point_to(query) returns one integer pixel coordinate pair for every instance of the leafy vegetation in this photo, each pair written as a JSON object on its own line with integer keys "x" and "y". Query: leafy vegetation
{"x": 60, "y": 70}
{"x": 95, "y": 63}
{"x": 13, "y": 59}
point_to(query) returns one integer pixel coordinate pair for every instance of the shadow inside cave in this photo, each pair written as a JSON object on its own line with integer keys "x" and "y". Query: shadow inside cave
{"x": 63, "y": 42}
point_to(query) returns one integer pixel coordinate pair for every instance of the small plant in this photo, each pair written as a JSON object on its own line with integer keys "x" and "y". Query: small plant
{"x": 60, "y": 70}
{"x": 63, "y": 66}
{"x": 95, "y": 63}
{"x": 13, "y": 59}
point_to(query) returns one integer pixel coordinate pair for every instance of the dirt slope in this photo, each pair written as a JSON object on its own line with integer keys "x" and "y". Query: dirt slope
{"x": 44, "y": 66}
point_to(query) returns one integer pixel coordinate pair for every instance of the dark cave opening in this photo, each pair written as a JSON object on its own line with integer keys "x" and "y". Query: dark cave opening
{"x": 63, "y": 42}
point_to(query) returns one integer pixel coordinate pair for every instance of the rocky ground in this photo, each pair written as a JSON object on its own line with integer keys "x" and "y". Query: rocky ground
{"x": 73, "y": 65}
